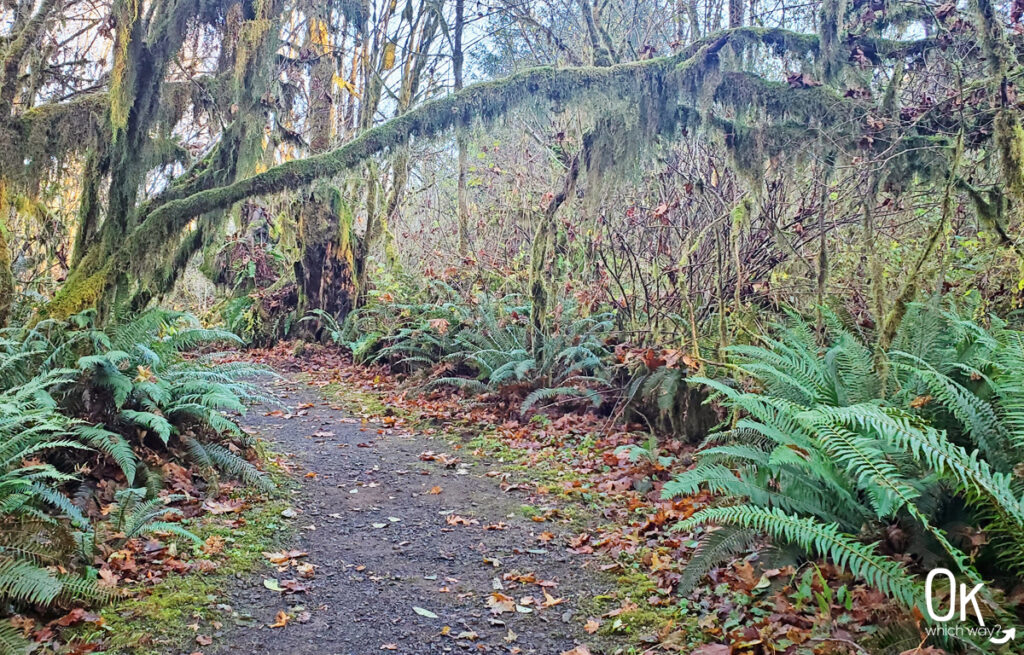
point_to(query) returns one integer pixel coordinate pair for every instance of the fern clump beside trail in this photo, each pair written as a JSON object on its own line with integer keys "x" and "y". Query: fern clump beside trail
{"x": 887, "y": 474}
{"x": 483, "y": 345}
{"x": 91, "y": 423}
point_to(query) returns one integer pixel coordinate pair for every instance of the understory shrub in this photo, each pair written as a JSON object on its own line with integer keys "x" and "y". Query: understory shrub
{"x": 483, "y": 345}
{"x": 81, "y": 408}
{"x": 835, "y": 451}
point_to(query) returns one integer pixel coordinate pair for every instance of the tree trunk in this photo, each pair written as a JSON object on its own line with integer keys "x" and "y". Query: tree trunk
{"x": 735, "y": 13}
{"x": 327, "y": 268}
{"x": 540, "y": 256}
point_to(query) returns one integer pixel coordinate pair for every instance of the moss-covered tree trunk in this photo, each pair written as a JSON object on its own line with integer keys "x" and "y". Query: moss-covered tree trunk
{"x": 146, "y": 42}
{"x": 326, "y": 270}
{"x": 542, "y": 254}
{"x": 1008, "y": 132}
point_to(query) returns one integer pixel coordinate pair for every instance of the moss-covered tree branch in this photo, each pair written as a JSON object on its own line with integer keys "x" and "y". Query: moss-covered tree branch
{"x": 683, "y": 72}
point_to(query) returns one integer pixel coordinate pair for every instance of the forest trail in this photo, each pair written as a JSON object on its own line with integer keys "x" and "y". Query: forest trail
{"x": 408, "y": 554}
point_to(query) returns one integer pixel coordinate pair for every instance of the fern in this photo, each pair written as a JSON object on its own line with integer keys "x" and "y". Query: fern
{"x": 158, "y": 424}
{"x": 547, "y": 393}
{"x": 135, "y": 516}
{"x": 714, "y": 549}
{"x": 826, "y": 540}
{"x": 823, "y": 459}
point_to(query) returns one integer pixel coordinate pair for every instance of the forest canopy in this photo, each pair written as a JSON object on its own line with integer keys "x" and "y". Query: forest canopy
{"x": 155, "y": 130}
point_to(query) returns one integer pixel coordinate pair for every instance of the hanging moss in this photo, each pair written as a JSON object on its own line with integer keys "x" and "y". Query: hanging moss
{"x": 30, "y": 143}
{"x": 747, "y": 155}
{"x": 833, "y": 14}
{"x": 1009, "y": 138}
{"x": 1007, "y": 131}
{"x": 122, "y": 96}
{"x": 666, "y": 90}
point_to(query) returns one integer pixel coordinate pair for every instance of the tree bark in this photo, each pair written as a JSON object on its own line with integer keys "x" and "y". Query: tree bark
{"x": 542, "y": 252}
{"x": 324, "y": 273}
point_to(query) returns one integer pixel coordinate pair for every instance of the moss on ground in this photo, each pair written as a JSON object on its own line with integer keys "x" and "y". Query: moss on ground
{"x": 168, "y": 616}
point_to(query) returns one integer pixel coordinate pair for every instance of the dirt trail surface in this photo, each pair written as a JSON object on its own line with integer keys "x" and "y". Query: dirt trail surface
{"x": 402, "y": 548}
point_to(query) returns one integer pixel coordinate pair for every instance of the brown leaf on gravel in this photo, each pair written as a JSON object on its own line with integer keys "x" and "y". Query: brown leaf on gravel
{"x": 499, "y": 603}
{"x": 435, "y": 490}
{"x": 579, "y": 650}
{"x": 280, "y": 620}
{"x": 591, "y": 626}
{"x": 204, "y": 640}
{"x": 285, "y": 556}
{"x": 551, "y": 601}
{"x": 455, "y": 519}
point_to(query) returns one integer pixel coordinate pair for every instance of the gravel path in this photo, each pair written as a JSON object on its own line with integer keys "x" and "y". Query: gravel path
{"x": 408, "y": 553}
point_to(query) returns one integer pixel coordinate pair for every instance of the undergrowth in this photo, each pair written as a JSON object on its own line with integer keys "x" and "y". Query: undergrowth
{"x": 93, "y": 424}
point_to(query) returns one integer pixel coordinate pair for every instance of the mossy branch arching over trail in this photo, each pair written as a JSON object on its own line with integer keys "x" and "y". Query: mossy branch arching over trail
{"x": 683, "y": 73}
{"x": 681, "y": 89}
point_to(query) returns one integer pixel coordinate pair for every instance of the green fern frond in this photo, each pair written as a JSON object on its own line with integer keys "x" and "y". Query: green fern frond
{"x": 714, "y": 549}
{"x": 826, "y": 540}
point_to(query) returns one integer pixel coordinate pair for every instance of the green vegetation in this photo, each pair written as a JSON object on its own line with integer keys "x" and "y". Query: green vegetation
{"x": 85, "y": 416}
{"x": 829, "y": 455}
{"x": 159, "y": 618}
{"x": 587, "y": 231}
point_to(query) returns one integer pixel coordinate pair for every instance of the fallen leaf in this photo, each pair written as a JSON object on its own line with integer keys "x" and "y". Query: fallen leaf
{"x": 272, "y": 584}
{"x": 424, "y": 612}
{"x": 284, "y": 556}
{"x": 551, "y": 601}
{"x": 225, "y": 507}
{"x": 214, "y": 544}
{"x": 108, "y": 578}
{"x": 499, "y": 603}
{"x": 455, "y": 519}
{"x": 280, "y": 620}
